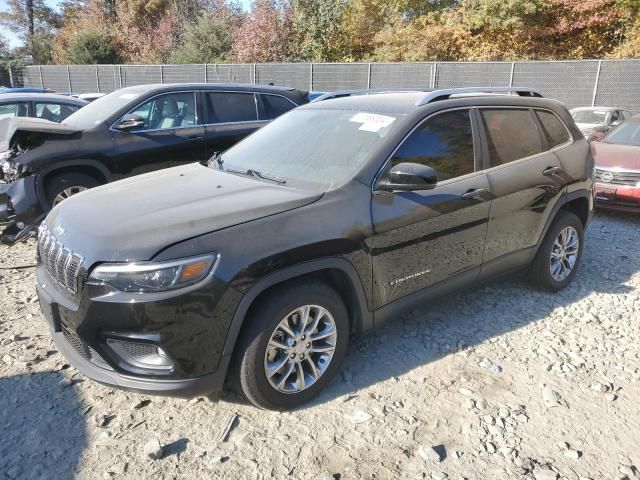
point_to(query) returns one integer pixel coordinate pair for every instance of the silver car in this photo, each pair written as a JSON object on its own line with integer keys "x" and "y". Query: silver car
{"x": 599, "y": 120}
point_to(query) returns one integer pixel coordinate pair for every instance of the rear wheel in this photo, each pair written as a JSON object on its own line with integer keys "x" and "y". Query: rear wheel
{"x": 65, "y": 185}
{"x": 296, "y": 339}
{"x": 557, "y": 259}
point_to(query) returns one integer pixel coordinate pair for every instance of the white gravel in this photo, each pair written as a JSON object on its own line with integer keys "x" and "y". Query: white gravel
{"x": 499, "y": 382}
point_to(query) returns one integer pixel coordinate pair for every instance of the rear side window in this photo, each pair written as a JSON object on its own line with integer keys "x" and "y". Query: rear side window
{"x": 511, "y": 134}
{"x": 54, "y": 112}
{"x": 225, "y": 107}
{"x": 553, "y": 130}
{"x": 273, "y": 106}
{"x": 444, "y": 142}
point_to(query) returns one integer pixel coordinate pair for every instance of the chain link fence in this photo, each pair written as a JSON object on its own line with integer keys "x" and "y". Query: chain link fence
{"x": 576, "y": 83}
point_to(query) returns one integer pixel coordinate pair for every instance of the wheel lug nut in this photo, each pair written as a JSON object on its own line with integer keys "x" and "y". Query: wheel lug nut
{"x": 303, "y": 337}
{"x": 293, "y": 355}
{"x": 293, "y": 344}
{"x": 308, "y": 345}
{"x": 302, "y": 355}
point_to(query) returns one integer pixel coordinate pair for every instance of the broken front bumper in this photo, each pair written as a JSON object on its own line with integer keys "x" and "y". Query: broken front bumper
{"x": 20, "y": 210}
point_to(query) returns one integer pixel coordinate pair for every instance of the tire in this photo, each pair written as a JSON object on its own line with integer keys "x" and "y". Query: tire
{"x": 541, "y": 274}
{"x": 70, "y": 182}
{"x": 254, "y": 354}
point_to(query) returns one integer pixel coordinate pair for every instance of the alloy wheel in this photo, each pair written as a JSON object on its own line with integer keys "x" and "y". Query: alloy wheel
{"x": 66, "y": 193}
{"x": 300, "y": 349}
{"x": 564, "y": 253}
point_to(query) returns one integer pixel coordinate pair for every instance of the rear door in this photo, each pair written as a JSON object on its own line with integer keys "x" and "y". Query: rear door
{"x": 422, "y": 238}
{"x": 230, "y": 117}
{"x": 526, "y": 179}
{"x": 172, "y": 135}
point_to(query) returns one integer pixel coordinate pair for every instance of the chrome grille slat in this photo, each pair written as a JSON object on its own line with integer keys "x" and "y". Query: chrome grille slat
{"x": 62, "y": 264}
{"x": 619, "y": 177}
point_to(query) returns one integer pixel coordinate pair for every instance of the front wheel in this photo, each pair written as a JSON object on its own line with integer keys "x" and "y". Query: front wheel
{"x": 295, "y": 341}
{"x": 557, "y": 259}
{"x": 65, "y": 185}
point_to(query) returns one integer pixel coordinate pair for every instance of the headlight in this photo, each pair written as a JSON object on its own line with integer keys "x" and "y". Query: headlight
{"x": 147, "y": 277}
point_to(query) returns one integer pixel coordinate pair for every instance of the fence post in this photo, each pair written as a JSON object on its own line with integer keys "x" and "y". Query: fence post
{"x": 434, "y": 74}
{"x": 120, "y": 74}
{"x": 513, "y": 67}
{"x": 97, "y": 79}
{"x": 11, "y": 76}
{"x": 161, "y": 73}
{"x": 255, "y": 81}
{"x": 206, "y": 80}
{"x": 41, "y": 79}
{"x": 311, "y": 77}
{"x": 595, "y": 87}
{"x": 369, "y": 77}
{"x": 69, "y": 79}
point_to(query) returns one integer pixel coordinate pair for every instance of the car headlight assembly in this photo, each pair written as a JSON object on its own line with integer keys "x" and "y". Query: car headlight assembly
{"x": 151, "y": 277}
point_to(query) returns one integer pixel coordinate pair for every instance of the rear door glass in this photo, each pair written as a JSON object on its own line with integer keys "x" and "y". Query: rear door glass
{"x": 54, "y": 112}
{"x": 225, "y": 107}
{"x": 11, "y": 110}
{"x": 272, "y": 106}
{"x": 511, "y": 135}
{"x": 553, "y": 130}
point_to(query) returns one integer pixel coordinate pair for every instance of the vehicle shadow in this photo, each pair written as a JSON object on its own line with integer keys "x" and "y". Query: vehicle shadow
{"x": 43, "y": 428}
{"x": 469, "y": 318}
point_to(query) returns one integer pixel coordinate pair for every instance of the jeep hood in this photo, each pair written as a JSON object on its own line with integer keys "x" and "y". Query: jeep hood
{"x": 10, "y": 126}
{"x": 133, "y": 219}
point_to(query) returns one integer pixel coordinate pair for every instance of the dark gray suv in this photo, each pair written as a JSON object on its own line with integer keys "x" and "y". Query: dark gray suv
{"x": 332, "y": 219}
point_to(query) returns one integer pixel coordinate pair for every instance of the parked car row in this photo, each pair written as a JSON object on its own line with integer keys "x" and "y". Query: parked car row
{"x": 253, "y": 269}
{"x": 128, "y": 132}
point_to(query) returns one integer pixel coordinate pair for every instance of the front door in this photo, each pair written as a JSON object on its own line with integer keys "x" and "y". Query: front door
{"x": 423, "y": 238}
{"x": 172, "y": 135}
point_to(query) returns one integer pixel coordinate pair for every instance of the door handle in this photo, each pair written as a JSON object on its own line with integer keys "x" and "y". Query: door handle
{"x": 551, "y": 171}
{"x": 193, "y": 138}
{"x": 474, "y": 193}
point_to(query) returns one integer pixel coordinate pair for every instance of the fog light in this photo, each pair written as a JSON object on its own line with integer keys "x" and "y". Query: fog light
{"x": 141, "y": 355}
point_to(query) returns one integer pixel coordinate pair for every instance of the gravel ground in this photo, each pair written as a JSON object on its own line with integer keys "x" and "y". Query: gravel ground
{"x": 498, "y": 382}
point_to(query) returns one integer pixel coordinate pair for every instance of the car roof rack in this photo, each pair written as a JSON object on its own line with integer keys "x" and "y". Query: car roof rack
{"x": 437, "y": 95}
{"x": 366, "y": 91}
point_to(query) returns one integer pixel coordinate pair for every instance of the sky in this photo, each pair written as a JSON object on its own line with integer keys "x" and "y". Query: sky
{"x": 13, "y": 40}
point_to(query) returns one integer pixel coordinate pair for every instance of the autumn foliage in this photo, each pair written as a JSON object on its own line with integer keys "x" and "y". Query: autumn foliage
{"x": 206, "y": 31}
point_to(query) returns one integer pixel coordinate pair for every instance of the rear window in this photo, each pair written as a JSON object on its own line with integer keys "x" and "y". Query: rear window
{"x": 511, "y": 134}
{"x": 273, "y": 106}
{"x": 223, "y": 107}
{"x": 553, "y": 130}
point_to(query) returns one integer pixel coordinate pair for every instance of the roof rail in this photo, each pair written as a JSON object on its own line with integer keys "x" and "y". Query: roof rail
{"x": 366, "y": 91}
{"x": 436, "y": 95}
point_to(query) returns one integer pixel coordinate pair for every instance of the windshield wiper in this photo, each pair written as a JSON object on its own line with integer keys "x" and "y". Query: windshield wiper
{"x": 256, "y": 173}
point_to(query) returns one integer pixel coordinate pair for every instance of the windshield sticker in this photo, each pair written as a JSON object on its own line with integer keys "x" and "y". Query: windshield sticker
{"x": 371, "y": 122}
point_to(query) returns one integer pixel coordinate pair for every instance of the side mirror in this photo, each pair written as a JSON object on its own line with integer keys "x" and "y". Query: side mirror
{"x": 408, "y": 177}
{"x": 130, "y": 122}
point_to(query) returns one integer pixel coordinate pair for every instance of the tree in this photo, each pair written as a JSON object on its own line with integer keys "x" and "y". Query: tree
{"x": 35, "y": 23}
{"x": 93, "y": 47}
{"x": 317, "y": 25}
{"x": 266, "y": 35}
{"x": 206, "y": 41}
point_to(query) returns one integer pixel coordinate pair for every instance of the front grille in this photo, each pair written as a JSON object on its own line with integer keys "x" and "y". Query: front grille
{"x": 64, "y": 266}
{"x": 84, "y": 350}
{"x": 618, "y": 177}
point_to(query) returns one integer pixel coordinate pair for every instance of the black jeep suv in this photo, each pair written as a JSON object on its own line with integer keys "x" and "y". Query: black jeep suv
{"x": 130, "y": 131}
{"x": 332, "y": 219}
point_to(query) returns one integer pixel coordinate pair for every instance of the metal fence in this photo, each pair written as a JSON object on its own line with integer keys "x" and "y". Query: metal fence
{"x": 576, "y": 83}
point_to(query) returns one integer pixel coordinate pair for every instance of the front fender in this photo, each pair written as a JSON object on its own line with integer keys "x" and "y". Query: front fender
{"x": 20, "y": 210}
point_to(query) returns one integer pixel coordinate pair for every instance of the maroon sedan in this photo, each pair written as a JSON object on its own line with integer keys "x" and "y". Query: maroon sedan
{"x": 617, "y": 160}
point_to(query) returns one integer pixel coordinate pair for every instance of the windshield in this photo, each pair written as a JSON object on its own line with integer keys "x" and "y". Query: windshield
{"x": 313, "y": 147}
{"x": 628, "y": 133}
{"x": 99, "y": 110}
{"x": 589, "y": 116}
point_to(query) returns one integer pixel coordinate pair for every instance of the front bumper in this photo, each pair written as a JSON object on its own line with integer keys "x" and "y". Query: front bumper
{"x": 20, "y": 210}
{"x": 617, "y": 197}
{"x": 190, "y": 328}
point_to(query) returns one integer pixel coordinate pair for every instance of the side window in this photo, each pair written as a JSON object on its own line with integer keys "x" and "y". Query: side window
{"x": 273, "y": 106}
{"x": 615, "y": 117}
{"x": 11, "y": 110}
{"x": 223, "y": 107}
{"x": 54, "y": 112}
{"x": 172, "y": 110}
{"x": 444, "y": 142}
{"x": 511, "y": 134}
{"x": 553, "y": 130}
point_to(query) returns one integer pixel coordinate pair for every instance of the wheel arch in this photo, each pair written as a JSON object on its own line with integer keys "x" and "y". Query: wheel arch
{"x": 337, "y": 272}
{"x": 579, "y": 202}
